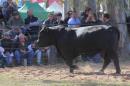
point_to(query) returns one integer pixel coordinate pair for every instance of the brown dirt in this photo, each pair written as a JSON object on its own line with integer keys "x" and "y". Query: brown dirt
{"x": 58, "y": 72}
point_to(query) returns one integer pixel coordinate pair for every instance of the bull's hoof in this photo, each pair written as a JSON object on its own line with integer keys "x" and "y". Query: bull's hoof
{"x": 116, "y": 74}
{"x": 71, "y": 70}
{"x": 100, "y": 72}
{"x": 75, "y": 67}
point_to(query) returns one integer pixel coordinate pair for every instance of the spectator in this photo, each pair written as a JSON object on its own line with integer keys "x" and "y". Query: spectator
{"x": 52, "y": 55}
{"x": 33, "y": 30}
{"x": 30, "y": 18}
{"x": 20, "y": 45}
{"x": 68, "y": 16}
{"x": 84, "y": 14}
{"x": 50, "y": 21}
{"x": 2, "y": 58}
{"x": 33, "y": 51}
{"x": 59, "y": 19}
{"x": 74, "y": 21}
{"x": 90, "y": 20}
{"x": 6, "y": 43}
{"x": 106, "y": 19}
{"x": 15, "y": 20}
{"x": 14, "y": 32}
{"x": 1, "y": 31}
{"x": 1, "y": 17}
{"x": 51, "y": 51}
{"x": 9, "y": 7}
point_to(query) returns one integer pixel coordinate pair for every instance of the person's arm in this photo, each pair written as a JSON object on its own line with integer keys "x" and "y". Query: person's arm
{"x": 21, "y": 22}
{"x": 26, "y": 21}
{"x": 9, "y": 23}
{"x": 70, "y": 23}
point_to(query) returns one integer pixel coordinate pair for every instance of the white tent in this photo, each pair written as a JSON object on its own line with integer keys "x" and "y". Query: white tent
{"x": 55, "y": 7}
{"x": 43, "y": 5}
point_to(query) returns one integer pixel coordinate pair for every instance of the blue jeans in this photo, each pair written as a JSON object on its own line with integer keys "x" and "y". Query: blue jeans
{"x": 18, "y": 57}
{"x": 2, "y": 61}
{"x": 38, "y": 54}
{"x": 9, "y": 58}
{"x": 30, "y": 57}
{"x": 97, "y": 58}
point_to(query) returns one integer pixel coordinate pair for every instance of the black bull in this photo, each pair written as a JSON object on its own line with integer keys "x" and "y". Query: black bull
{"x": 88, "y": 40}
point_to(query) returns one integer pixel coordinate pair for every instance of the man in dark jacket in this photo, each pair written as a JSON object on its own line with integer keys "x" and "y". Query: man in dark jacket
{"x": 30, "y": 18}
{"x": 50, "y": 21}
{"x": 107, "y": 19}
{"x": 9, "y": 7}
{"x": 33, "y": 30}
{"x": 6, "y": 43}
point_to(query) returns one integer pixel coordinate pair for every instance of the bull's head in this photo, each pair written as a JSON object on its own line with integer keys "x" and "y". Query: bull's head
{"x": 44, "y": 37}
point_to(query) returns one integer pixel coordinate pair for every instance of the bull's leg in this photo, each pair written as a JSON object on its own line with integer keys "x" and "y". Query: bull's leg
{"x": 71, "y": 66}
{"x": 107, "y": 60}
{"x": 116, "y": 63}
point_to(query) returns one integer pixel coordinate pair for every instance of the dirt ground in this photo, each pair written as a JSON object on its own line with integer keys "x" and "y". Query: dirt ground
{"x": 60, "y": 73}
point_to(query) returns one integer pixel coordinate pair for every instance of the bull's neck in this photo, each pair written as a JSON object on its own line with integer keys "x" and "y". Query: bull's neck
{"x": 53, "y": 36}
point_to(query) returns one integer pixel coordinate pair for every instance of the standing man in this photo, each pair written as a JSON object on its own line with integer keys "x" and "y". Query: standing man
{"x": 74, "y": 21}
{"x": 50, "y": 21}
{"x": 106, "y": 19}
{"x": 51, "y": 51}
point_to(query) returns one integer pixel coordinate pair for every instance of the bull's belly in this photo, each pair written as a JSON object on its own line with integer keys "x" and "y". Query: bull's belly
{"x": 89, "y": 51}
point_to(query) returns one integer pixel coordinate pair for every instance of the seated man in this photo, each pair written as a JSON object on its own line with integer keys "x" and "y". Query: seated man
{"x": 32, "y": 52}
{"x": 15, "y": 20}
{"x": 9, "y": 7}
{"x": 6, "y": 43}
{"x": 2, "y": 58}
{"x": 20, "y": 46}
{"x": 33, "y": 30}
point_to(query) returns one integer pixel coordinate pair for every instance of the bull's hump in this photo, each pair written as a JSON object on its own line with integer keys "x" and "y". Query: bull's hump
{"x": 89, "y": 29}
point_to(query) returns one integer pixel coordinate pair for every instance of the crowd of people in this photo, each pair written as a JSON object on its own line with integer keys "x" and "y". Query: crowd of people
{"x": 18, "y": 45}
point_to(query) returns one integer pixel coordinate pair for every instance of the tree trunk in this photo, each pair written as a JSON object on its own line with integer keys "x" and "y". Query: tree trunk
{"x": 116, "y": 9}
{"x": 76, "y": 5}
{"x": 92, "y": 5}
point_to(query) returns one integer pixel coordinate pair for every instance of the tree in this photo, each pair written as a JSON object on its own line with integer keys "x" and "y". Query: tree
{"x": 92, "y": 5}
{"x": 117, "y": 10}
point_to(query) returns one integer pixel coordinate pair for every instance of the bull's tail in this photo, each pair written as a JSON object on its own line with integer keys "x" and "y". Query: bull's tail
{"x": 118, "y": 37}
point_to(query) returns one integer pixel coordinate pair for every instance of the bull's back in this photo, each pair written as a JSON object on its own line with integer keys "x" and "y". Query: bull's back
{"x": 101, "y": 39}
